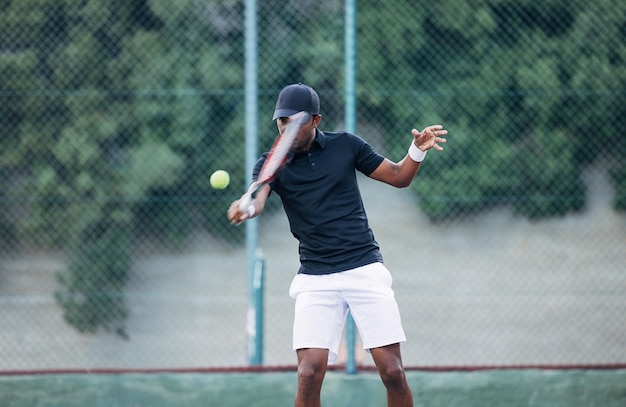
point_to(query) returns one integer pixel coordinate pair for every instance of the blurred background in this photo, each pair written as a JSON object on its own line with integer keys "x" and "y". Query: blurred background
{"x": 509, "y": 248}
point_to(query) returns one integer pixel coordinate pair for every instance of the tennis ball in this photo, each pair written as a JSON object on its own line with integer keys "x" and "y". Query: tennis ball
{"x": 220, "y": 179}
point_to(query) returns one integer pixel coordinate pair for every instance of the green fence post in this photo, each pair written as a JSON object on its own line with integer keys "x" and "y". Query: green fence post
{"x": 350, "y": 346}
{"x": 350, "y": 125}
{"x": 255, "y": 337}
{"x": 256, "y": 311}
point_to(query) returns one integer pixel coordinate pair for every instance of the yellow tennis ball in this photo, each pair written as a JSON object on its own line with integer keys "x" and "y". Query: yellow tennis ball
{"x": 220, "y": 179}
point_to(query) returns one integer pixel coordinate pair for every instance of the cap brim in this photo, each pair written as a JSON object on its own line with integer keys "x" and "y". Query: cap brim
{"x": 283, "y": 113}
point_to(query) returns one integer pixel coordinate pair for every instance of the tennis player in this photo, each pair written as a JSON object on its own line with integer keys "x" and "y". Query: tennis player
{"x": 341, "y": 267}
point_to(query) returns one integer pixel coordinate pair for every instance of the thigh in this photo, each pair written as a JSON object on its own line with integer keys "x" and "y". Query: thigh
{"x": 387, "y": 357}
{"x": 320, "y": 314}
{"x": 313, "y": 359}
{"x": 373, "y": 306}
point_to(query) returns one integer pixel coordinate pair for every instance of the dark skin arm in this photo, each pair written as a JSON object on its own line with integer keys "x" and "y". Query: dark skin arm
{"x": 401, "y": 174}
{"x": 235, "y": 216}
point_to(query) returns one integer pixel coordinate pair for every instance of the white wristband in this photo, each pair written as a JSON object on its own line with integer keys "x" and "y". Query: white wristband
{"x": 416, "y": 154}
{"x": 251, "y": 210}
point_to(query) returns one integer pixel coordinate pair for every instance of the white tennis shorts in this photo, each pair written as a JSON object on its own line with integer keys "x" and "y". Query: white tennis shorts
{"x": 322, "y": 303}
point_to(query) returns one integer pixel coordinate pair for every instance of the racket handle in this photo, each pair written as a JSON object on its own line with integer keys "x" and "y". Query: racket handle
{"x": 245, "y": 203}
{"x": 248, "y": 198}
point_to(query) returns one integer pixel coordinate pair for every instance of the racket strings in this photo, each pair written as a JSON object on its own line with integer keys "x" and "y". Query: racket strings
{"x": 278, "y": 155}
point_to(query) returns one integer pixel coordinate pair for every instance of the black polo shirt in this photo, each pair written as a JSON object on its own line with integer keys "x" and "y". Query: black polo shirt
{"x": 321, "y": 198}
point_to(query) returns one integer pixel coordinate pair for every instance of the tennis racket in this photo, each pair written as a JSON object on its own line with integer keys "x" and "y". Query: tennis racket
{"x": 276, "y": 158}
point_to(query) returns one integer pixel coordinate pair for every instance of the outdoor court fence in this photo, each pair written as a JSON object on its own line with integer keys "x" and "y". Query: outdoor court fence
{"x": 115, "y": 252}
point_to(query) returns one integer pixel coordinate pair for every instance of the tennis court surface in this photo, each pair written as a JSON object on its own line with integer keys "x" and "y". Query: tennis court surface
{"x": 511, "y": 387}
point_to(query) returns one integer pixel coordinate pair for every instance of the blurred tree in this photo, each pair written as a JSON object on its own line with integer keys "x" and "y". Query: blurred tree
{"x": 512, "y": 72}
{"x": 93, "y": 286}
{"x": 74, "y": 145}
{"x": 115, "y": 112}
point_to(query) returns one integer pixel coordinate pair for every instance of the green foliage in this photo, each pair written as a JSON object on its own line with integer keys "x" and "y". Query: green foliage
{"x": 7, "y": 230}
{"x": 115, "y": 113}
{"x": 618, "y": 177}
{"x": 530, "y": 74}
{"x": 92, "y": 295}
{"x": 458, "y": 184}
{"x": 553, "y": 187}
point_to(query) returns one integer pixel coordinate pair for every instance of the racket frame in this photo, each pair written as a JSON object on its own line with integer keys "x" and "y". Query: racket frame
{"x": 276, "y": 159}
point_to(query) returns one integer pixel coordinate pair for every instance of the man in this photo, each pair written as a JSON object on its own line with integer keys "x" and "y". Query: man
{"x": 341, "y": 266}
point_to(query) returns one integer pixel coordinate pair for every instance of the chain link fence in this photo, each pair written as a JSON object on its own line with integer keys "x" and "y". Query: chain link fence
{"x": 508, "y": 249}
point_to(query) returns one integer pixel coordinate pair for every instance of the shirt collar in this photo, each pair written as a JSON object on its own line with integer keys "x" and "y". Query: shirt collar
{"x": 320, "y": 138}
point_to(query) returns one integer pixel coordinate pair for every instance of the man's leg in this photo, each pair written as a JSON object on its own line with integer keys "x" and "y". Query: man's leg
{"x": 312, "y": 363}
{"x": 389, "y": 364}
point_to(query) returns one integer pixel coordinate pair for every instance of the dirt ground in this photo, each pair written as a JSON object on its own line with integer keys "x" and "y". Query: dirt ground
{"x": 494, "y": 290}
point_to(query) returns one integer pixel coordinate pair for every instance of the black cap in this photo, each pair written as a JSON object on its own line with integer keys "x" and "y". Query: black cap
{"x": 297, "y": 98}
